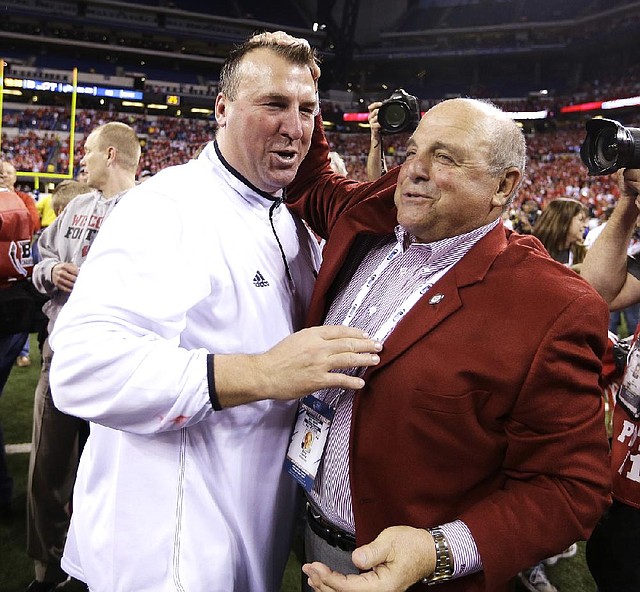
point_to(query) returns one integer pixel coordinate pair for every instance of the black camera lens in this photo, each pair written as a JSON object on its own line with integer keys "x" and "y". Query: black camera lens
{"x": 399, "y": 113}
{"x": 395, "y": 115}
{"x": 610, "y": 146}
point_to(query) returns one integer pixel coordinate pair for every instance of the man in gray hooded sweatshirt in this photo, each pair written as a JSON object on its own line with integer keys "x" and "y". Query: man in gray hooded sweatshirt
{"x": 111, "y": 155}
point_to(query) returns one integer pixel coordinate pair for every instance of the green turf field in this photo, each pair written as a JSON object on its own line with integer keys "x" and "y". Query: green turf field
{"x": 16, "y": 570}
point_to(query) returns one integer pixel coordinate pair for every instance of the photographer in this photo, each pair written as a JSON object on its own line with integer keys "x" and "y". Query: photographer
{"x": 612, "y": 550}
{"x": 399, "y": 113}
{"x": 376, "y": 165}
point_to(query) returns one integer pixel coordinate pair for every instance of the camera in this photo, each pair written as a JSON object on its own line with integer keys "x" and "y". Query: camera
{"x": 399, "y": 113}
{"x": 610, "y": 146}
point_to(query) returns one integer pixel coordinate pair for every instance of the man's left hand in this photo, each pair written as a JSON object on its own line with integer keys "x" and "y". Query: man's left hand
{"x": 394, "y": 561}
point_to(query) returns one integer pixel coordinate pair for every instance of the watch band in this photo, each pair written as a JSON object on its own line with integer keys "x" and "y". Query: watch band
{"x": 444, "y": 561}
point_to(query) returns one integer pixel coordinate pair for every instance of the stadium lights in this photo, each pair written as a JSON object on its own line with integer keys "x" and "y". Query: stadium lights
{"x": 596, "y": 105}
{"x": 201, "y": 110}
{"x": 619, "y": 103}
{"x": 11, "y": 91}
{"x": 528, "y": 114}
{"x": 156, "y": 106}
{"x": 132, "y": 104}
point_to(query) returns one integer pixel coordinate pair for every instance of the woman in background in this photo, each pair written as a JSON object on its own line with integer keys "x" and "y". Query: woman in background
{"x": 561, "y": 229}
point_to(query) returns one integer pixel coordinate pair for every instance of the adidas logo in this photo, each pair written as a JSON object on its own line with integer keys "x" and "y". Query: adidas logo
{"x": 259, "y": 281}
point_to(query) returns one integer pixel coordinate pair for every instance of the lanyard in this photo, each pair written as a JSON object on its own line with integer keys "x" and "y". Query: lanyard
{"x": 398, "y": 313}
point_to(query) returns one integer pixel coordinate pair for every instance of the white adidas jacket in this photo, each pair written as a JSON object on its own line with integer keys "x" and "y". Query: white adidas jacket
{"x": 171, "y": 495}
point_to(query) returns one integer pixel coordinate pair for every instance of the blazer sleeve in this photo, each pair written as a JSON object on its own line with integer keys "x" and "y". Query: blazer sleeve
{"x": 320, "y": 196}
{"x": 557, "y": 458}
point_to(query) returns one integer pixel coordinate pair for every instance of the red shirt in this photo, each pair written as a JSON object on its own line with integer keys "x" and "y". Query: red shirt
{"x": 31, "y": 206}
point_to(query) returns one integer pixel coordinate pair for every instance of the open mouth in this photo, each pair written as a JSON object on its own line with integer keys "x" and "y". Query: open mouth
{"x": 286, "y": 155}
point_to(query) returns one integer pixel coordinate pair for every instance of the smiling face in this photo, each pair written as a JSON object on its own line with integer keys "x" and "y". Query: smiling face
{"x": 265, "y": 132}
{"x": 445, "y": 186}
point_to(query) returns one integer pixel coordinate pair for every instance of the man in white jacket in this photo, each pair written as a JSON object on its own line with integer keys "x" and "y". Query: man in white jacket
{"x": 176, "y": 345}
{"x": 111, "y": 155}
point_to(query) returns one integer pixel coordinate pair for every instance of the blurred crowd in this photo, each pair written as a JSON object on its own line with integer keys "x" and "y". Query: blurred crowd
{"x": 38, "y": 140}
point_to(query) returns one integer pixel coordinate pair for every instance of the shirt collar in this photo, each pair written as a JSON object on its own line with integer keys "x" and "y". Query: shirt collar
{"x": 460, "y": 243}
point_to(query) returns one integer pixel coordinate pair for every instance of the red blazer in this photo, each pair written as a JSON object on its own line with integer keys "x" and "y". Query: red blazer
{"x": 486, "y": 405}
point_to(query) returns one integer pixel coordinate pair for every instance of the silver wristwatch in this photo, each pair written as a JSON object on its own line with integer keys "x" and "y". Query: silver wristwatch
{"x": 444, "y": 561}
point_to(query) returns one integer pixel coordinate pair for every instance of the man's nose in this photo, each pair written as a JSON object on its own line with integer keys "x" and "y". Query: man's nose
{"x": 291, "y": 125}
{"x": 418, "y": 168}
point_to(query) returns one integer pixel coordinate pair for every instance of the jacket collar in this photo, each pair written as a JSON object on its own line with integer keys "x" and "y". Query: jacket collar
{"x": 436, "y": 305}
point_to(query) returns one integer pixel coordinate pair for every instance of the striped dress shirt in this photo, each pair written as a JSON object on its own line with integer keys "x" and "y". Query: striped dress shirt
{"x": 373, "y": 292}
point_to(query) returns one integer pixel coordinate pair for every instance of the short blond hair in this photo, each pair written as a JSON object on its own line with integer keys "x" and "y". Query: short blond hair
{"x": 64, "y": 192}
{"x": 124, "y": 139}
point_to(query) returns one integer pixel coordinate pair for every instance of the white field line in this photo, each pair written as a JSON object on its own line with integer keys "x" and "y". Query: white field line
{"x": 18, "y": 448}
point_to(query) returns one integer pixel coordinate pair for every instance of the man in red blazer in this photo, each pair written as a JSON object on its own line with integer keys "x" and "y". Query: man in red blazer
{"x": 477, "y": 446}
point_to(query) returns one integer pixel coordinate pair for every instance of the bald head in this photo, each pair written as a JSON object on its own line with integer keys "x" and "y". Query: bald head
{"x": 505, "y": 143}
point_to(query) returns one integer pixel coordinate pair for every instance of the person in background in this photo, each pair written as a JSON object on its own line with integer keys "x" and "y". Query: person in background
{"x": 337, "y": 164}
{"x": 47, "y": 216}
{"x": 474, "y": 449}
{"x": 145, "y": 175}
{"x": 16, "y": 265}
{"x": 612, "y": 549}
{"x": 8, "y": 179}
{"x": 187, "y": 304}
{"x": 560, "y": 228}
{"x": 64, "y": 192}
{"x": 376, "y": 164}
{"x": 630, "y": 313}
{"x": 111, "y": 155}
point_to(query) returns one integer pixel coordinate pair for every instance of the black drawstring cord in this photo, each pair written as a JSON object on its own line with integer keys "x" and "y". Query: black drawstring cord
{"x": 274, "y": 205}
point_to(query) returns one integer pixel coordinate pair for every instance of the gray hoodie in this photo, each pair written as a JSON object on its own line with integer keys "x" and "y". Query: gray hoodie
{"x": 67, "y": 240}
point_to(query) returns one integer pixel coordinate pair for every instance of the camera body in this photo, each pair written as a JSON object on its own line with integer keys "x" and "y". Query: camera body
{"x": 610, "y": 146}
{"x": 399, "y": 113}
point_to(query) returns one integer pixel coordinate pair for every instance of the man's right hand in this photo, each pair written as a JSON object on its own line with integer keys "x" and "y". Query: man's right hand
{"x": 376, "y": 128}
{"x": 300, "y": 364}
{"x": 64, "y": 276}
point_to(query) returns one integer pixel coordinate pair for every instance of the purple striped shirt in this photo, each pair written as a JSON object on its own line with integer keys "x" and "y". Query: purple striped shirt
{"x": 418, "y": 264}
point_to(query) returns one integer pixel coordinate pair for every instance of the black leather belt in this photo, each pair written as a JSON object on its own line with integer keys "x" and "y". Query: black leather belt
{"x": 329, "y": 533}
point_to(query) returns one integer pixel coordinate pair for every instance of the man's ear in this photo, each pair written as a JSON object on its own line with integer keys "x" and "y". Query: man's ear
{"x": 221, "y": 109}
{"x": 508, "y": 182}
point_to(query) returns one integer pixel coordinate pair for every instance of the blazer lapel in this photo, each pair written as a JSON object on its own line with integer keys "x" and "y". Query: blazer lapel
{"x": 368, "y": 217}
{"x": 444, "y": 298}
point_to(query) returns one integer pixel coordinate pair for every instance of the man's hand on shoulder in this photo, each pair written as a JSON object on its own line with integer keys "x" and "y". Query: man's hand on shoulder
{"x": 398, "y": 558}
